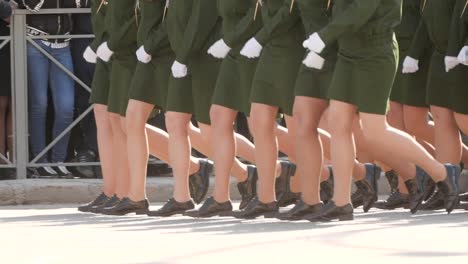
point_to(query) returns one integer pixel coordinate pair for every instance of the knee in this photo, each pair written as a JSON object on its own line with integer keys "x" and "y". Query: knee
{"x": 176, "y": 126}
{"x": 262, "y": 126}
{"x": 136, "y": 120}
{"x": 305, "y": 127}
{"x": 339, "y": 125}
{"x": 114, "y": 120}
{"x": 219, "y": 122}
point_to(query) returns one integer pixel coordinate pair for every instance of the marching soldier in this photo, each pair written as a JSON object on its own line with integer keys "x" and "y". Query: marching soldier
{"x": 99, "y": 96}
{"x": 362, "y": 81}
{"x": 121, "y": 46}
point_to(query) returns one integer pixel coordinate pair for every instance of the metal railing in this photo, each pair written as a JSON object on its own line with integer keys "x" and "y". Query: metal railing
{"x": 19, "y": 41}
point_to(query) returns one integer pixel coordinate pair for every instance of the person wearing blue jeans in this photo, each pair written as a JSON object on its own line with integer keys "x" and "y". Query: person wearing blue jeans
{"x": 42, "y": 75}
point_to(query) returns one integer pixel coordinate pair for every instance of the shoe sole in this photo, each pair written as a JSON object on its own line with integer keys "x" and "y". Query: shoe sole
{"x": 168, "y": 215}
{"x": 221, "y": 214}
{"x": 137, "y": 212}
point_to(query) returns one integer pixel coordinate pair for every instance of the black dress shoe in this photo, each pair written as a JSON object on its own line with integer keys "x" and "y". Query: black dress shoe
{"x": 326, "y": 188}
{"x": 100, "y": 200}
{"x": 395, "y": 200}
{"x": 248, "y": 188}
{"x": 356, "y": 199}
{"x": 330, "y": 212}
{"x": 463, "y": 197}
{"x": 282, "y": 181}
{"x": 288, "y": 198}
{"x": 199, "y": 182}
{"x": 256, "y": 208}
{"x": 127, "y": 206}
{"x": 211, "y": 208}
{"x": 173, "y": 207}
{"x": 428, "y": 185}
{"x": 368, "y": 186}
{"x": 449, "y": 187}
{"x": 463, "y": 206}
{"x": 415, "y": 197}
{"x": 435, "y": 202}
{"x": 299, "y": 211}
{"x": 108, "y": 204}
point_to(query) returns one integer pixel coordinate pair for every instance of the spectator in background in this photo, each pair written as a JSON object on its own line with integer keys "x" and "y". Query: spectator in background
{"x": 84, "y": 141}
{"x": 43, "y": 73}
{"x": 6, "y": 130}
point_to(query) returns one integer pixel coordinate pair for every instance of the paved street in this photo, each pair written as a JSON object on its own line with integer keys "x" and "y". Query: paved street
{"x": 60, "y": 234}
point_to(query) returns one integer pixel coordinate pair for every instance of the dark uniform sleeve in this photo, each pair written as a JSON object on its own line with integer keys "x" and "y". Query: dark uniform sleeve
{"x": 122, "y": 29}
{"x": 458, "y": 30}
{"x": 421, "y": 41}
{"x": 350, "y": 20}
{"x": 156, "y": 38}
{"x": 201, "y": 23}
{"x": 283, "y": 19}
{"x": 98, "y": 21}
{"x": 244, "y": 30}
{"x": 5, "y": 10}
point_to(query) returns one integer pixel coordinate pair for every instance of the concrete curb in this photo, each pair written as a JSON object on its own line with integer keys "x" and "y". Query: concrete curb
{"x": 61, "y": 191}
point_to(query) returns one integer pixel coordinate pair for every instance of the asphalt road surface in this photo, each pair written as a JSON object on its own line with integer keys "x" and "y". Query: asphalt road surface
{"x": 60, "y": 234}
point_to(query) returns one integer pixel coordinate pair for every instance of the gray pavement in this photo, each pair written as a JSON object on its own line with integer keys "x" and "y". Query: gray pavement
{"x": 60, "y": 234}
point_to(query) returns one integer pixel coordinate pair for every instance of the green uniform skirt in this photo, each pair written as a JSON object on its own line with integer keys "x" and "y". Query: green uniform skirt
{"x": 275, "y": 77}
{"x": 459, "y": 92}
{"x": 416, "y": 84}
{"x": 122, "y": 72}
{"x": 193, "y": 93}
{"x": 234, "y": 83}
{"x": 401, "y": 81}
{"x": 150, "y": 81}
{"x": 366, "y": 78}
{"x": 440, "y": 83}
{"x": 101, "y": 83}
{"x": 314, "y": 83}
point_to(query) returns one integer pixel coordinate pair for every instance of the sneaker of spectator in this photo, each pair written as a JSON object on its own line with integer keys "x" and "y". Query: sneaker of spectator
{"x": 84, "y": 157}
{"x": 45, "y": 172}
{"x": 63, "y": 172}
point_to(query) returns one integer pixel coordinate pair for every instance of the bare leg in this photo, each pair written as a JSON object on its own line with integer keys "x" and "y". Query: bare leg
{"x": 266, "y": 151}
{"x": 119, "y": 154}
{"x": 343, "y": 151}
{"x": 179, "y": 152}
{"x": 398, "y": 143}
{"x": 105, "y": 145}
{"x": 447, "y": 136}
{"x": 137, "y": 144}
{"x": 309, "y": 152}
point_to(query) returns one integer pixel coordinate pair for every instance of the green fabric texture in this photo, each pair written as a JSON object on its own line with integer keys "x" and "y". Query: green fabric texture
{"x": 101, "y": 83}
{"x": 98, "y": 20}
{"x": 152, "y": 33}
{"x": 122, "y": 27}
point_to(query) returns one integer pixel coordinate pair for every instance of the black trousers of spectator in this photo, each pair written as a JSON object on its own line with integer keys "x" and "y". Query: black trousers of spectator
{"x": 87, "y": 139}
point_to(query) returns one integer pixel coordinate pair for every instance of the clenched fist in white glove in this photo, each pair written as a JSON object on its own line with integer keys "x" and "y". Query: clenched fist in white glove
{"x": 179, "y": 70}
{"x": 219, "y": 49}
{"x": 313, "y": 60}
{"x": 463, "y": 56}
{"x": 251, "y": 49}
{"x": 450, "y": 63}
{"x": 142, "y": 56}
{"x": 104, "y": 53}
{"x": 314, "y": 43}
{"x": 410, "y": 65}
{"x": 89, "y": 55}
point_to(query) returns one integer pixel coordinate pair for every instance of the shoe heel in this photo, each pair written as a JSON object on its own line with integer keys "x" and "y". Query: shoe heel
{"x": 142, "y": 212}
{"x": 346, "y": 217}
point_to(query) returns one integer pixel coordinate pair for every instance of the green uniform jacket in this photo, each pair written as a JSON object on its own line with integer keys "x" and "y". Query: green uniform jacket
{"x": 409, "y": 23}
{"x": 122, "y": 27}
{"x": 152, "y": 32}
{"x": 239, "y": 24}
{"x": 278, "y": 21}
{"x": 315, "y": 15}
{"x": 98, "y": 18}
{"x": 433, "y": 28}
{"x": 192, "y": 26}
{"x": 458, "y": 29}
{"x": 360, "y": 20}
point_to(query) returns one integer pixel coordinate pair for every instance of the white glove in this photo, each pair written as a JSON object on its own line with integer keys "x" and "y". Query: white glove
{"x": 450, "y": 63}
{"x": 251, "y": 49}
{"x": 219, "y": 49}
{"x": 463, "y": 56}
{"x": 104, "y": 53}
{"x": 142, "y": 56}
{"x": 410, "y": 65}
{"x": 89, "y": 55}
{"x": 314, "y": 43}
{"x": 313, "y": 60}
{"x": 179, "y": 70}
